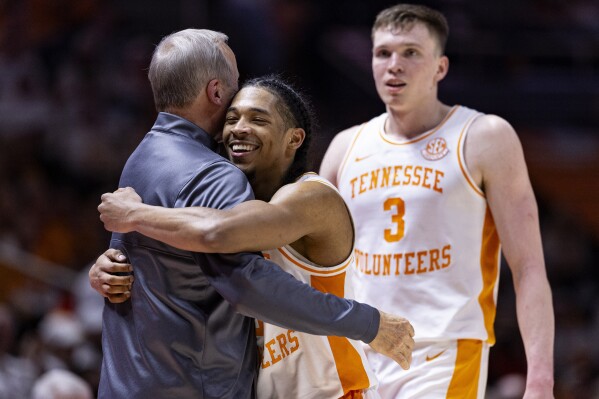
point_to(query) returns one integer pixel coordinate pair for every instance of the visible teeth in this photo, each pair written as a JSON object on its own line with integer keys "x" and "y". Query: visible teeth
{"x": 242, "y": 147}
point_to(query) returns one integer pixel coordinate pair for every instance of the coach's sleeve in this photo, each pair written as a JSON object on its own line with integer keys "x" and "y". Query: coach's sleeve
{"x": 259, "y": 288}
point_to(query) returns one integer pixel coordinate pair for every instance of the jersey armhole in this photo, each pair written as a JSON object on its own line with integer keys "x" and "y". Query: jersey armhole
{"x": 462, "y": 159}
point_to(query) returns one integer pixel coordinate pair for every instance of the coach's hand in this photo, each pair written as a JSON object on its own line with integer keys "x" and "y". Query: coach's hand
{"x": 102, "y": 277}
{"x": 395, "y": 339}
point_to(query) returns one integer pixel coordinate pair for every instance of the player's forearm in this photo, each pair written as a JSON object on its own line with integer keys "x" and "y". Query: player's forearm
{"x": 251, "y": 226}
{"x": 190, "y": 229}
{"x": 536, "y": 321}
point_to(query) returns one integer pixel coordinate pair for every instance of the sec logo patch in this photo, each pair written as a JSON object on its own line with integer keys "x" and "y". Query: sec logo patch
{"x": 435, "y": 149}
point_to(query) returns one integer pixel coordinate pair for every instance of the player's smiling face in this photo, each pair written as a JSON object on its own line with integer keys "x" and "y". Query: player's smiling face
{"x": 254, "y": 134}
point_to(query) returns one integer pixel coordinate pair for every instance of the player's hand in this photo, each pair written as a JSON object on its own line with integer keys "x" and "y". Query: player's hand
{"x": 116, "y": 207}
{"x": 395, "y": 339}
{"x": 102, "y": 277}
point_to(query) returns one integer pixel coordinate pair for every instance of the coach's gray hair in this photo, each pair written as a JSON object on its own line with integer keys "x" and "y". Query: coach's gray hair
{"x": 184, "y": 62}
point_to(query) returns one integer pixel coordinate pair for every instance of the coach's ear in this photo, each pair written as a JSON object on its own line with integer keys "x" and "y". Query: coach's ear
{"x": 215, "y": 90}
{"x": 296, "y": 138}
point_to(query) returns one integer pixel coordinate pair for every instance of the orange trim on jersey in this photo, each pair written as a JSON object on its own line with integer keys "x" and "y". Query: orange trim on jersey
{"x": 259, "y": 328}
{"x": 423, "y": 136}
{"x": 489, "y": 264}
{"x": 316, "y": 269}
{"x": 464, "y": 382}
{"x": 348, "y": 152}
{"x": 349, "y": 364}
{"x": 462, "y": 163}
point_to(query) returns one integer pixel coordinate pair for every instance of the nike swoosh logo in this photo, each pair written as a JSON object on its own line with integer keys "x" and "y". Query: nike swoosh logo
{"x": 358, "y": 159}
{"x": 429, "y": 358}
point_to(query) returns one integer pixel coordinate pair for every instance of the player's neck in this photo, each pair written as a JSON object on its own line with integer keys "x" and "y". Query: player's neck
{"x": 267, "y": 180}
{"x": 408, "y": 124}
{"x": 265, "y": 186}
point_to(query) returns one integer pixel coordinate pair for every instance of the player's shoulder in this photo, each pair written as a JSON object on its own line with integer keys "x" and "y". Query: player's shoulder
{"x": 309, "y": 187}
{"x": 346, "y": 135}
{"x": 350, "y": 130}
{"x": 343, "y": 138}
{"x": 490, "y": 127}
{"x": 491, "y": 140}
{"x": 341, "y": 143}
{"x": 491, "y": 134}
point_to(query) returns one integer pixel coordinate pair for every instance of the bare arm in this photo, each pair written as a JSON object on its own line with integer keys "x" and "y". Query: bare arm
{"x": 496, "y": 160}
{"x": 306, "y": 209}
{"x": 331, "y": 162}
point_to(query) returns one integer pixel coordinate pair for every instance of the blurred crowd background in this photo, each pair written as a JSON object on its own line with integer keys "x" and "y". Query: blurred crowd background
{"x": 75, "y": 101}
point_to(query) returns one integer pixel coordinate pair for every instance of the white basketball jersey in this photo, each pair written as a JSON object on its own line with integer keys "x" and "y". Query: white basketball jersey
{"x": 426, "y": 244}
{"x": 299, "y": 365}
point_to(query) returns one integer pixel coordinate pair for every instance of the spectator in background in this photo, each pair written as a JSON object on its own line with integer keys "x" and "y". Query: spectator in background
{"x": 17, "y": 374}
{"x": 61, "y": 384}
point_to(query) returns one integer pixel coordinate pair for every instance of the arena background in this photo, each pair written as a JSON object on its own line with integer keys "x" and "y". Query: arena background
{"x": 75, "y": 101}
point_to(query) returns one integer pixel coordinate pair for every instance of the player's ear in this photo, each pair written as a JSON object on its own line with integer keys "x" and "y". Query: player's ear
{"x": 442, "y": 68}
{"x": 296, "y": 138}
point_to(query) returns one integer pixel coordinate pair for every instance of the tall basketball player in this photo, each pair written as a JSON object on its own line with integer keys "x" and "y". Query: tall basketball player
{"x": 433, "y": 190}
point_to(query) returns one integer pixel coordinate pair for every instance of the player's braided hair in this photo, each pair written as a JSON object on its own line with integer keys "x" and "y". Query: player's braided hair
{"x": 296, "y": 112}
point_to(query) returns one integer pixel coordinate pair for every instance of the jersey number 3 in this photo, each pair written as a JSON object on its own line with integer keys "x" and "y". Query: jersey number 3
{"x": 396, "y": 218}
